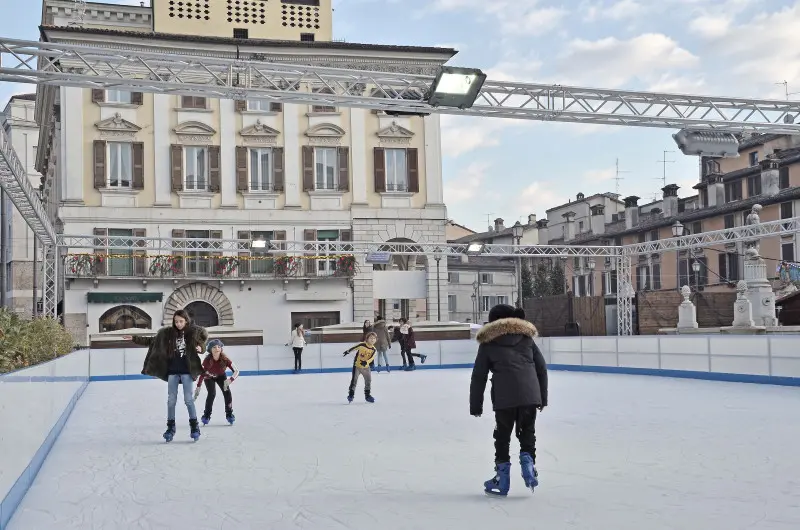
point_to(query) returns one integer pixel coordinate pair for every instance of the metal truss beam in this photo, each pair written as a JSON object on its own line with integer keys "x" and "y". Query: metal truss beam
{"x": 625, "y": 294}
{"x": 165, "y": 71}
{"x": 14, "y": 181}
{"x": 50, "y": 285}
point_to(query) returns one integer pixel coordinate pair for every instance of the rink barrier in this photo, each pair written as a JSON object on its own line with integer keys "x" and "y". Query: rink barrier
{"x": 765, "y": 359}
{"x": 75, "y": 368}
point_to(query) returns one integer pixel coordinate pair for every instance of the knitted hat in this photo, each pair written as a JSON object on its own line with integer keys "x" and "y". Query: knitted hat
{"x": 505, "y": 311}
{"x": 212, "y": 343}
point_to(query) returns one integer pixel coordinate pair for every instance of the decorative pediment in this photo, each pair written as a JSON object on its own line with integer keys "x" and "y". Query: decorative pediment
{"x": 117, "y": 126}
{"x": 194, "y": 128}
{"x": 258, "y": 129}
{"x": 325, "y": 130}
{"x": 395, "y": 131}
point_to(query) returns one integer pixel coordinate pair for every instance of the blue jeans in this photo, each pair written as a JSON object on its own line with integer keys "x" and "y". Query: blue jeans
{"x": 382, "y": 354}
{"x": 172, "y": 395}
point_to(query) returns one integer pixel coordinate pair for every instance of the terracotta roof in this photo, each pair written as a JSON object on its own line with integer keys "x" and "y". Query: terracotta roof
{"x": 321, "y": 45}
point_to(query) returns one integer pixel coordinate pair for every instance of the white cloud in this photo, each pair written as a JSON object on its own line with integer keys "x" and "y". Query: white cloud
{"x": 536, "y": 197}
{"x": 618, "y": 10}
{"x": 599, "y": 175}
{"x": 463, "y": 134}
{"x": 522, "y": 17}
{"x": 466, "y": 184}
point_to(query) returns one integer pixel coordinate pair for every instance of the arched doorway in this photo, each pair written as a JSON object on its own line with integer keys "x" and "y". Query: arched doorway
{"x": 203, "y": 314}
{"x": 124, "y": 317}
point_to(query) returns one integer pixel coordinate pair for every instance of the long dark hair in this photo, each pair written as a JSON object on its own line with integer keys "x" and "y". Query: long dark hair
{"x": 174, "y": 331}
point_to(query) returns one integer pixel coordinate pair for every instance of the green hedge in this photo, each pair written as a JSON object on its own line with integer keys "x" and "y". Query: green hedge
{"x": 25, "y": 342}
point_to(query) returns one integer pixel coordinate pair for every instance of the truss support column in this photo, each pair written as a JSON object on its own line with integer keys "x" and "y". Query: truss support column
{"x": 50, "y": 274}
{"x": 625, "y": 295}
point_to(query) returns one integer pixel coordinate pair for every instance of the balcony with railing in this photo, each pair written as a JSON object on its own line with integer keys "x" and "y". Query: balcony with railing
{"x": 201, "y": 265}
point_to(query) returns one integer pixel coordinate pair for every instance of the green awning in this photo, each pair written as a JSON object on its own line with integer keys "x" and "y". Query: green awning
{"x": 123, "y": 298}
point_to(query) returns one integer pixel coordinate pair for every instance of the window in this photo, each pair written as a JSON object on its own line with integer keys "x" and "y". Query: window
{"x": 487, "y": 278}
{"x": 326, "y": 267}
{"x": 729, "y": 267}
{"x": 610, "y": 283}
{"x": 452, "y": 277}
{"x": 197, "y": 261}
{"x": 787, "y": 252}
{"x": 754, "y": 185}
{"x": 195, "y": 168}
{"x": 322, "y": 108}
{"x": 240, "y": 33}
{"x": 729, "y": 222}
{"x": 786, "y": 210}
{"x": 687, "y": 276}
{"x": 733, "y": 191}
{"x": 263, "y": 105}
{"x": 261, "y": 264}
{"x": 121, "y": 264}
{"x": 396, "y": 170}
{"x": 488, "y": 302}
{"x": 753, "y": 158}
{"x": 193, "y": 102}
{"x": 307, "y": 37}
{"x": 326, "y": 172}
{"x": 452, "y": 303}
{"x": 653, "y": 235}
{"x": 783, "y": 177}
{"x": 261, "y": 169}
{"x": 648, "y": 278}
{"x": 697, "y": 227}
{"x": 580, "y": 227}
{"x": 316, "y": 320}
{"x": 120, "y": 164}
{"x": 118, "y": 96}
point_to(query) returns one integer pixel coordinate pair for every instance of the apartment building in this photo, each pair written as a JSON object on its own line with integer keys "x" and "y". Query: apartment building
{"x": 127, "y": 164}
{"x": 17, "y": 248}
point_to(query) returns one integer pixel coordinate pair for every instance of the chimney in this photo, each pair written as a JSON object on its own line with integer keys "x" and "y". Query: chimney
{"x": 716, "y": 190}
{"x": 498, "y": 225}
{"x": 598, "y": 221}
{"x": 770, "y": 176}
{"x": 569, "y": 226}
{"x": 631, "y": 211}
{"x": 532, "y": 219}
{"x": 544, "y": 232}
{"x": 670, "y": 200}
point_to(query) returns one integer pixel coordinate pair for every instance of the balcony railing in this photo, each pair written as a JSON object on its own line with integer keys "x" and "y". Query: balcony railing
{"x": 204, "y": 266}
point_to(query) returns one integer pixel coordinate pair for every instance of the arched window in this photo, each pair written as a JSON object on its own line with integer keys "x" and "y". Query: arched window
{"x": 124, "y": 317}
{"x": 203, "y": 314}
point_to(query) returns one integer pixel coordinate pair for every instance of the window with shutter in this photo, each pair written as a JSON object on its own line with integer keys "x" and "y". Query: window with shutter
{"x": 138, "y": 166}
{"x": 178, "y": 250}
{"x": 343, "y": 155}
{"x": 137, "y": 98}
{"x": 214, "y": 173}
{"x": 140, "y": 255}
{"x": 323, "y": 108}
{"x": 99, "y": 164}
{"x": 98, "y": 95}
{"x": 193, "y": 102}
{"x": 241, "y": 169}
{"x": 308, "y": 168}
{"x": 396, "y": 168}
{"x": 278, "y": 179}
{"x": 261, "y": 262}
{"x": 276, "y": 107}
{"x": 379, "y": 164}
{"x": 121, "y": 260}
{"x": 120, "y": 165}
{"x": 100, "y": 251}
{"x": 280, "y": 235}
{"x": 413, "y": 170}
{"x": 326, "y": 168}
{"x": 196, "y": 168}
{"x": 119, "y": 96}
{"x": 657, "y": 277}
{"x": 310, "y": 264}
{"x": 176, "y": 167}
{"x": 243, "y": 248}
{"x": 215, "y": 264}
{"x": 261, "y": 167}
{"x": 783, "y": 177}
{"x": 198, "y": 253}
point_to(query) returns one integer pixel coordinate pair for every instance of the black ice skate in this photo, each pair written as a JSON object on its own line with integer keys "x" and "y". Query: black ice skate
{"x": 169, "y": 434}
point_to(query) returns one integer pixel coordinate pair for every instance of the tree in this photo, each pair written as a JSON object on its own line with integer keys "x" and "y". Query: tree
{"x": 527, "y": 283}
{"x": 541, "y": 281}
{"x": 557, "y": 280}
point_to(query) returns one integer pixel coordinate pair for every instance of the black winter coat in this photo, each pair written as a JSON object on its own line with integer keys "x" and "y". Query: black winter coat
{"x": 156, "y": 363}
{"x": 519, "y": 371}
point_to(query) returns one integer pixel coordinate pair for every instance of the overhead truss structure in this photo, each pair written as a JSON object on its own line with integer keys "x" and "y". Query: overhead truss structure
{"x": 150, "y": 69}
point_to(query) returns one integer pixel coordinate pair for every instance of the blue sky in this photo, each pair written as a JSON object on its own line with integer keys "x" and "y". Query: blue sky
{"x": 511, "y": 168}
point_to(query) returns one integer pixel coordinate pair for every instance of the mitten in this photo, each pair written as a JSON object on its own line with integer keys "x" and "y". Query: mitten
{"x": 476, "y": 412}
{"x": 196, "y": 393}
{"x": 345, "y": 354}
{"x": 227, "y": 384}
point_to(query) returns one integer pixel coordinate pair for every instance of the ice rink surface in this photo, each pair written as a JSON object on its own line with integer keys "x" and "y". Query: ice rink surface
{"x": 616, "y": 452}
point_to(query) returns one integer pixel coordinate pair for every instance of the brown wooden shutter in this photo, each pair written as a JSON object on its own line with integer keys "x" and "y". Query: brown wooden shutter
{"x": 241, "y": 169}
{"x": 344, "y": 168}
{"x": 176, "y": 163}
{"x": 380, "y": 169}
{"x": 412, "y": 163}
{"x": 216, "y": 254}
{"x": 276, "y": 107}
{"x": 278, "y": 179}
{"x": 98, "y": 95}
{"x": 280, "y": 235}
{"x": 214, "y": 175}
{"x": 100, "y": 251}
{"x": 244, "y": 253}
{"x": 177, "y": 248}
{"x": 140, "y": 256}
{"x": 311, "y": 264}
{"x": 241, "y": 105}
{"x": 138, "y": 165}
{"x": 346, "y": 236}
{"x": 99, "y": 164}
{"x": 308, "y": 168}
{"x": 137, "y": 98}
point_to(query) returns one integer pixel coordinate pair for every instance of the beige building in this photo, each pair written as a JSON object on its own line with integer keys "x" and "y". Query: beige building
{"x": 131, "y": 164}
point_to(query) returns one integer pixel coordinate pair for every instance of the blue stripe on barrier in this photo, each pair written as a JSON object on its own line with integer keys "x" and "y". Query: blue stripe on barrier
{"x": 681, "y": 374}
{"x": 17, "y": 492}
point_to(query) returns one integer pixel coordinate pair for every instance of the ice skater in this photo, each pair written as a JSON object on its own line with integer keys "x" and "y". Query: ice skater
{"x": 215, "y": 365}
{"x": 519, "y": 389}
{"x": 365, "y": 354}
{"x": 383, "y": 343}
{"x": 297, "y": 340}
{"x": 173, "y": 356}
{"x": 407, "y": 340}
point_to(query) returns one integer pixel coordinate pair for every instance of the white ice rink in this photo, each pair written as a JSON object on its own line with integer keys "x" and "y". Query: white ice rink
{"x": 616, "y": 452}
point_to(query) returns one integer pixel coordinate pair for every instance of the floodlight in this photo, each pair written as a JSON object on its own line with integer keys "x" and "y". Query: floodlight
{"x": 474, "y": 249}
{"x": 456, "y": 87}
{"x": 707, "y": 143}
{"x": 259, "y": 243}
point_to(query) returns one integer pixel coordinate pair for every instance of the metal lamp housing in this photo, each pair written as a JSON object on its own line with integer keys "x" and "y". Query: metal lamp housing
{"x": 707, "y": 143}
{"x": 456, "y": 87}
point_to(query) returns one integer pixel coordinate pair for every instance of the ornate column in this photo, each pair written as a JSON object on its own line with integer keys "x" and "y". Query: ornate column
{"x": 759, "y": 289}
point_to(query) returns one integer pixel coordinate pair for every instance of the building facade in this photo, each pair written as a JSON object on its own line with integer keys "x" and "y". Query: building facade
{"x": 127, "y": 164}
{"x": 17, "y": 248}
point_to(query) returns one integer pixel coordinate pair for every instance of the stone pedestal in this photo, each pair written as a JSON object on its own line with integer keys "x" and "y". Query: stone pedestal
{"x": 742, "y": 308}
{"x": 687, "y": 312}
{"x": 759, "y": 289}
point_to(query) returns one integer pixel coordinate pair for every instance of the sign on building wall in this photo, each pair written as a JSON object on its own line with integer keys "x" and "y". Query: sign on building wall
{"x": 399, "y": 285}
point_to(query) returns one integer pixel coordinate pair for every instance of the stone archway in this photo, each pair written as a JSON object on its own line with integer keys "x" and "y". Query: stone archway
{"x": 199, "y": 292}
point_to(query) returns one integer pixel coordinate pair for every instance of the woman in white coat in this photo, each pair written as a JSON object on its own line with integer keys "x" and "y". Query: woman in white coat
{"x": 298, "y": 342}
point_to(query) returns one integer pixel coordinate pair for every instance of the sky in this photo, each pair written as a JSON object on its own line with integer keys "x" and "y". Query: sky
{"x": 511, "y": 168}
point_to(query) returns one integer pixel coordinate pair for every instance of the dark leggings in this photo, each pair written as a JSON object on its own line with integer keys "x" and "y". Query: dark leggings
{"x": 211, "y": 388}
{"x": 298, "y": 358}
{"x": 524, "y": 419}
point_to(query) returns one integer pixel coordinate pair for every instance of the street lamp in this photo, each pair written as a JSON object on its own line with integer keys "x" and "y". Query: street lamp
{"x": 475, "y": 299}
{"x": 456, "y": 87}
{"x": 517, "y": 231}
{"x": 437, "y": 255}
{"x": 696, "y": 269}
{"x": 677, "y": 229}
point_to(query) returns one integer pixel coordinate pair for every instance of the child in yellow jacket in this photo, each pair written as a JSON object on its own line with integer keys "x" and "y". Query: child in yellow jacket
{"x": 365, "y": 354}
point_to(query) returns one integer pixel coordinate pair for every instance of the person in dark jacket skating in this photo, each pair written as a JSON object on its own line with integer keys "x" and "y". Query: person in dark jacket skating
{"x": 215, "y": 367}
{"x": 519, "y": 388}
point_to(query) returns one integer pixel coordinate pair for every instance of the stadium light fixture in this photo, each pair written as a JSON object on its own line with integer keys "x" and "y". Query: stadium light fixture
{"x": 456, "y": 87}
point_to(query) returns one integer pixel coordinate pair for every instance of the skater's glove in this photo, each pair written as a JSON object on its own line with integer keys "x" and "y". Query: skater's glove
{"x": 196, "y": 393}
{"x": 476, "y": 413}
{"x": 345, "y": 354}
{"x": 227, "y": 384}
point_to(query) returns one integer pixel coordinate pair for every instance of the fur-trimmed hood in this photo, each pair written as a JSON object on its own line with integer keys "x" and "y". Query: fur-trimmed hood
{"x": 505, "y": 326}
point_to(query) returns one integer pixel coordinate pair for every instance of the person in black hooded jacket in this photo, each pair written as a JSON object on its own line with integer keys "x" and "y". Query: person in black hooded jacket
{"x": 519, "y": 389}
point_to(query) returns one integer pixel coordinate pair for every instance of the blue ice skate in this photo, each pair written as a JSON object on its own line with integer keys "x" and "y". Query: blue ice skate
{"x": 205, "y": 419}
{"x": 369, "y": 398}
{"x": 169, "y": 434}
{"x": 529, "y": 473}
{"x": 501, "y": 483}
{"x": 349, "y": 399}
{"x": 231, "y": 418}
{"x": 195, "y": 430}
